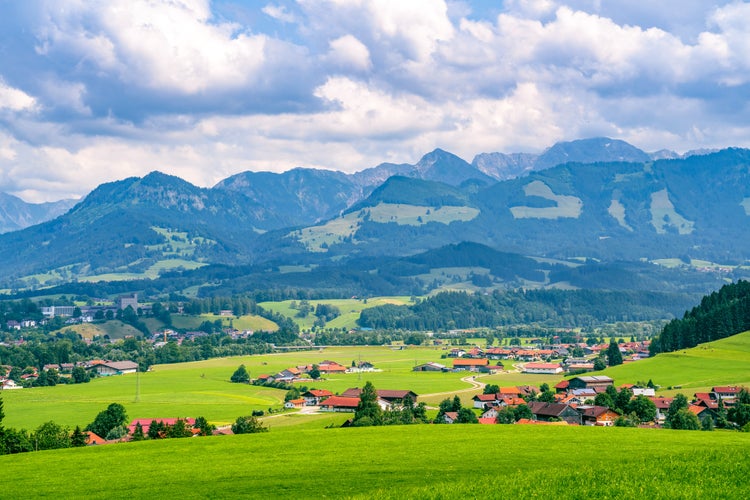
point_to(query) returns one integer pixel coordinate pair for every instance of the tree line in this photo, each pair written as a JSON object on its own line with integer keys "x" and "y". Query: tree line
{"x": 719, "y": 315}
{"x": 550, "y": 308}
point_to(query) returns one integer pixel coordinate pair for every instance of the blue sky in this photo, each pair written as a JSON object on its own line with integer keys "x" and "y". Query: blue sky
{"x": 93, "y": 91}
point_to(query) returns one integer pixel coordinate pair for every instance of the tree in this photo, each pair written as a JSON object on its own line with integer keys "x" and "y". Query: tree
{"x": 108, "y": 419}
{"x": 522, "y": 411}
{"x": 613, "y": 354}
{"x": 248, "y": 425}
{"x": 179, "y": 429}
{"x": 506, "y": 416}
{"x": 491, "y": 389}
{"x": 80, "y": 375}
{"x": 466, "y": 416}
{"x": 203, "y": 426}
{"x": 643, "y": 408}
{"x": 623, "y": 399}
{"x": 604, "y": 399}
{"x": 50, "y": 436}
{"x": 156, "y": 429}
{"x": 599, "y": 364}
{"x": 78, "y": 438}
{"x": 739, "y": 414}
{"x": 368, "y": 407}
{"x": 240, "y": 375}
{"x": 314, "y": 372}
{"x": 138, "y": 434}
{"x": 684, "y": 419}
{"x": 546, "y": 397}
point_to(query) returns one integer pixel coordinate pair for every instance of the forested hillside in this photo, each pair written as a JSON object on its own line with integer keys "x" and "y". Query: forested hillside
{"x": 719, "y": 315}
{"x": 557, "y": 308}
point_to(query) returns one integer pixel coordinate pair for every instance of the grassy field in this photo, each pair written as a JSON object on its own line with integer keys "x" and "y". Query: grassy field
{"x": 398, "y": 462}
{"x": 723, "y": 362}
{"x": 350, "y": 310}
{"x": 203, "y": 388}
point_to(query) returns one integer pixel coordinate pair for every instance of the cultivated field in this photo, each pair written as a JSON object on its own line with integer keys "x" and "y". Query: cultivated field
{"x": 422, "y": 461}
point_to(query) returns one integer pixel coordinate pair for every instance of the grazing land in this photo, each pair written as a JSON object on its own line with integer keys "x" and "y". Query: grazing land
{"x": 399, "y": 462}
{"x": 721, "y": 362}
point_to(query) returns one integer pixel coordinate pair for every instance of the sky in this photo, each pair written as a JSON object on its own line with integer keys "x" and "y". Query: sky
{"x": 95, "y": 91}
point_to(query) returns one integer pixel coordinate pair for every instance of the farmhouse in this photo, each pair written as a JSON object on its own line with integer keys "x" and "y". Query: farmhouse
{"x": 114, "y": 368}
{"x": 146, "y": 423}
{"x": 346, "y": 404}
{"x": 430, "y": 367}
{"x": 543, "y": 368}
{"x": 726, "y": 392}
{"x": 550, "y": 411}
{"x": 331, "y": 367}
{"x": 470, "y": 364}
{"x": 313, "y": 397}
{"x": 590, "y": 382}
{"x": 597, "y": 415}
{"x": 294, "y": 403}
{"x": 391, "y": 396}
{"x": 9, "y": 384}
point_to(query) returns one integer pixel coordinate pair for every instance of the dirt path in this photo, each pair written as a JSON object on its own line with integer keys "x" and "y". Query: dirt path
{"x": 470, "y": 379}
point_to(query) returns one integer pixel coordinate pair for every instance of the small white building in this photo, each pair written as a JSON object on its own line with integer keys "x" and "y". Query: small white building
{"x": 543, "y": 368}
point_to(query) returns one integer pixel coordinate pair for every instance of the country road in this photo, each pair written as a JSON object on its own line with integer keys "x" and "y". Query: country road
{"x": 470, "y": 379}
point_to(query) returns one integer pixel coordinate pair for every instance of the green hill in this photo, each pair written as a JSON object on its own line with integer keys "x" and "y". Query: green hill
{"x": 721, "y": 362}
{"x": 427, "y": 461}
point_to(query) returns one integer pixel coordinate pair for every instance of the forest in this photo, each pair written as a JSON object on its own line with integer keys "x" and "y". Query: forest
{"x": 719, "y": 315}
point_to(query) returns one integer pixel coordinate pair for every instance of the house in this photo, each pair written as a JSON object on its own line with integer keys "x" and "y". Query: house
{"x": 331, "y": 367}
{"x": 339, "y": 404}
{"x": 450, "y": 417}
{"x": 492, "y": 368}
{"x": 590, "y": 382}
{"x": 470, "y": 364}
{"x": 146, "y": 423}
{"x": 597, "y": 415}
{"x": 391, "y": 396}
{"x": 499, "y": 353}
{"x": 543, "y": 368}
{"x": 662, "y": 408}
{"x": 115, "y": 368}
{"x": 482, "y": 401}
{"x": 702, "y": 412}
{"x": 9, "y": 384}
{"x": 362, "y": 366}
{"x": 554, "y": 411}
{"x": 561, "y": 387}
{"x": 294, "y": 403}
{"x": 486, "y": 421}
{"x": 313, "y": 397}
{"x": 457, "y": 353}
{"x": 430, "y": 367}
{"x": 92, "y": 439}
{"x": 513, "y": 392}
{"x": 726, "y": 392}
{"x": 13, "y": 325}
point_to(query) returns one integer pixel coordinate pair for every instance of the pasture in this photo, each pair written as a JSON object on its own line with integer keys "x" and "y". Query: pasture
{"x": 398, "y": 462}
{"x": 350, "y": 310}
{"x": 722, "y": 362}
{"x": 202, "y": 388}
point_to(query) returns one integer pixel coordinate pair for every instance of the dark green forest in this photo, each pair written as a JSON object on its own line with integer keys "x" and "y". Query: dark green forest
{"x": 719, "y": 315}
{"x": 552, "y": 308}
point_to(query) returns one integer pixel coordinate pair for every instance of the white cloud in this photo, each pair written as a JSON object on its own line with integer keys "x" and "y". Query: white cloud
{"x": 348, "y": 52}
{"x": 280, "y": 13}
{"x": 14, "y": 99}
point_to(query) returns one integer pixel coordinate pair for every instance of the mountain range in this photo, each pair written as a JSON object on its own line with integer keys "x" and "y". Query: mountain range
{"x": 596, "y": 212}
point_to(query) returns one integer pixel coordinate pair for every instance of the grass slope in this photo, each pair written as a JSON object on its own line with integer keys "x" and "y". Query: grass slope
{"x": 398, "y": 462}
{"x": 350, "y": 310}
{"x": 722, "y": 362}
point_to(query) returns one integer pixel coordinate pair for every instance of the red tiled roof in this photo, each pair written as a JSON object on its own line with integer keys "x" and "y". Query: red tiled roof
{"x": 486, "y": 421}
{"x": 146, "y": 423}
{"x": 485, "y": 397}
{"x": 471, "y": 362}
{"x": 341, "y": 401}
{"x": 542, "y": 366}
{"x": 563, "y": 384}
{"x": 320, "y": 393}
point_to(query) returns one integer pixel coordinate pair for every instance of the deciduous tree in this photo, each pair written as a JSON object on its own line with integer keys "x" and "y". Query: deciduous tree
{"x": 240, "y": 375}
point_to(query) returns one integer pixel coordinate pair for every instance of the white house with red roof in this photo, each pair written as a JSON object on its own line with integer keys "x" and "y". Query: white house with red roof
{"x": 543, "y": 368}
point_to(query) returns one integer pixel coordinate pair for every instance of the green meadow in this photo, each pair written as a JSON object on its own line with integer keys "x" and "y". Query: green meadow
{"x": 722, "y": 362}
{"x": 350, "y": 310}
{"x": 202, "y": 388}
{"x": 421, "y": 461}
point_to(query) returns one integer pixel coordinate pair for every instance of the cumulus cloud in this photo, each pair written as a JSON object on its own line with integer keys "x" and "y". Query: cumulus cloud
{"x": 115, "y": 88}
{"x": 14, "y": 99}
